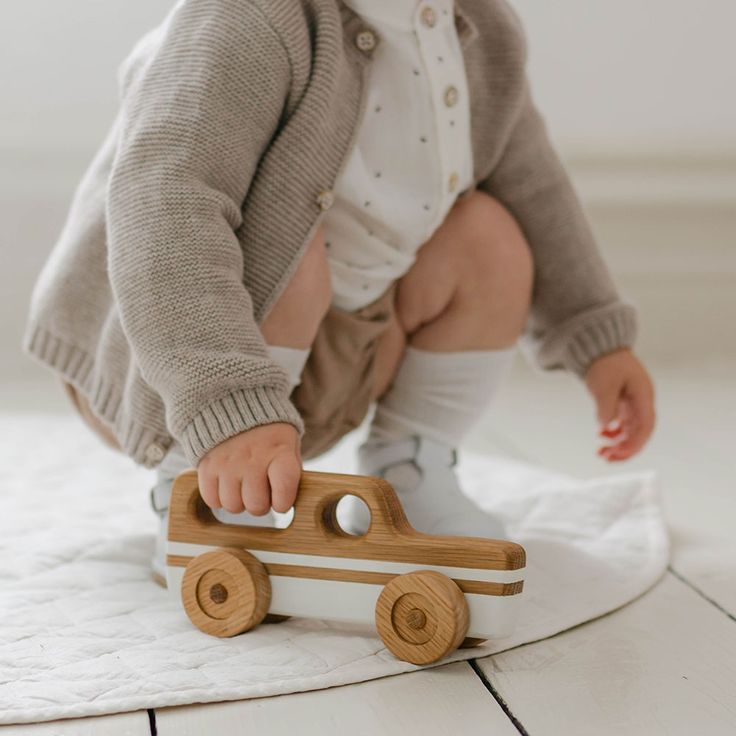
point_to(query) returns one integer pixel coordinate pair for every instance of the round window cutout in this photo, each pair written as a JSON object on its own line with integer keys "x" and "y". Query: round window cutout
{"x": 353, "y": 515}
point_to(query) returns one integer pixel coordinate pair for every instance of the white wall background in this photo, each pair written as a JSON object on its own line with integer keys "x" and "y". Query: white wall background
{"x": 59, "y": 59}
{"x": 618, "y": 73}
{"x": 638, "y": 79}
{"x": 646, "y": 74}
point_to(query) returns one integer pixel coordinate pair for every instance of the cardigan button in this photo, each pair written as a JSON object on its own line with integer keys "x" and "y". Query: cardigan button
{"x": 154, "y": 453}
{"x": 453, "y": 181}
{"x": 429, "y": 17}
{"x": 451, "y": 95}
{"x": 325, "y": 199}
{"x": 366, "y": 40}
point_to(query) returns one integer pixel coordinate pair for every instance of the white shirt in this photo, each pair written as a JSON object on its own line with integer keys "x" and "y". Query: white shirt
{"x": 412, "y": 155}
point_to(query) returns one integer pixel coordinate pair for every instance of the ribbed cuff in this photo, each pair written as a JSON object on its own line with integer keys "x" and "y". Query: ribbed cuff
{"x": 577, "y": 343}
{"x": 237, "y": 412}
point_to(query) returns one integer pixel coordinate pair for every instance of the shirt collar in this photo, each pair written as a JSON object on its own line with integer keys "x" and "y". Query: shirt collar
{"x": 398, "y": 13}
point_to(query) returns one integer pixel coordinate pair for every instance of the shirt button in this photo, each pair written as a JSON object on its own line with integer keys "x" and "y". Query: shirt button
{"x": 428, "y": 16}
{"x": 366, "y": 40}
{"x": 154, "y": 453}
{"x": 325, "y": 199}
{"x": 451, "y": 95}
{"x": 453, "y": 181}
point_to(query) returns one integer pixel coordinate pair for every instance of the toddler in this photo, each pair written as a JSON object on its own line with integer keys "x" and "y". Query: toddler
{"x": 308, "y": 207}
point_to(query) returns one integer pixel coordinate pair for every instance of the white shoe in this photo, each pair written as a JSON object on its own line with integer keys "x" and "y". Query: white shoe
{"x": 422, "y": 473}
{"x": 160, "y": 495}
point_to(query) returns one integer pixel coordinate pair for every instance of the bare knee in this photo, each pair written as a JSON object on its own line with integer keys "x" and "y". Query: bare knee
{"x": 495, "y": 244}
{"x": 477, "y": 265}
{"x": 470, "y": 287}
{"x": 294, "y": 319}
{"x": 497, "y": 263}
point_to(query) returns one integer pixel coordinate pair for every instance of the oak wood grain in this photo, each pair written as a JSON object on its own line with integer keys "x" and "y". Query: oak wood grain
{"x": 315, "y": 531}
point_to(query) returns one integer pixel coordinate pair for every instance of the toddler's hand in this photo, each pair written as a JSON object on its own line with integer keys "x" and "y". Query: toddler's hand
{"x": 624, "y": 396}
{"x": 253, "y": 471}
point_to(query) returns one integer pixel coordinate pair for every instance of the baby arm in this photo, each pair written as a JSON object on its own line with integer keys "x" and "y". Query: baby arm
{"x": 193, "y": 131}
{"x": 578, "y": 321}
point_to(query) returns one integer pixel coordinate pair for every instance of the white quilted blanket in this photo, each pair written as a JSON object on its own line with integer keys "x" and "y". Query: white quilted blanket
{"x": 84, "y": 631}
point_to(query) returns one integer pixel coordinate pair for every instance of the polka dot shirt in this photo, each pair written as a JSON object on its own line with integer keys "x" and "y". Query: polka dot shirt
{"x": 412, "y": 155}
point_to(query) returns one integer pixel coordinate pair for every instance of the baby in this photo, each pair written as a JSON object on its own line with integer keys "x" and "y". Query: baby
{"x": 307, "y": 207}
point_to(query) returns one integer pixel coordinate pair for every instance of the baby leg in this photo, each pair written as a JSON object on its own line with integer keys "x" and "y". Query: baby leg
{"x": 469, "y": 289}
{"x": 460, "y": 311}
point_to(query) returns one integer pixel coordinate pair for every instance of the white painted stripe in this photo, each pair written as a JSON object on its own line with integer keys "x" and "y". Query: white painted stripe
{"x": 491, "y": 616}
{"x": 351, "y": 563}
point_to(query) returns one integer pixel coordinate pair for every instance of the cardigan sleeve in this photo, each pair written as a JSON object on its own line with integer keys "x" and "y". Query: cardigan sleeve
{"x": 196, "y": 119}
{"x": 576, "y": 313}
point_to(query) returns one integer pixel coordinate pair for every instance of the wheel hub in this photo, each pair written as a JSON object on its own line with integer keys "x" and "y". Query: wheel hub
{"x": 218, "y": 593}
{"x": 414, "y": 618}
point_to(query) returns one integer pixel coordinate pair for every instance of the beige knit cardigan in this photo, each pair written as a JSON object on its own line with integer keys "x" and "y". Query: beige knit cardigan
{"x": 235, "y": 119}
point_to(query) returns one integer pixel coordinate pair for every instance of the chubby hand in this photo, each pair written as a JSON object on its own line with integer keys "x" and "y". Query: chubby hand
{"x": 624, "y": 396}
{"x": 255, "y": 470}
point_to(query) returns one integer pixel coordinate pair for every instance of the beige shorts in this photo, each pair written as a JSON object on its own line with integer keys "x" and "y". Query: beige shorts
{"x": 337, "y": 381}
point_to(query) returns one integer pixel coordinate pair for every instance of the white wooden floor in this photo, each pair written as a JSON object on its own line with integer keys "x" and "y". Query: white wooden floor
{"x": 665, "y": 664}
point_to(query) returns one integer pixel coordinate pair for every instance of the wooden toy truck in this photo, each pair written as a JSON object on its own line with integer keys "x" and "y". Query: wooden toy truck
{"x": 427, "y": 595}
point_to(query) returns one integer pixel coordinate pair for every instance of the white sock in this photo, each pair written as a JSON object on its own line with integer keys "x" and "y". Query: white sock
{"x": 440, "y": 395}
{"x": 292, "y": 360}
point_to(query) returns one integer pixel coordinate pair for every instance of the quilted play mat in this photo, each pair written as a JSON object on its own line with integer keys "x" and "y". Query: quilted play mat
{"x": 85, "y": 631}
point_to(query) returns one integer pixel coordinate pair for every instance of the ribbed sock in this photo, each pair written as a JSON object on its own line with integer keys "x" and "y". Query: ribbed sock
{"x": 440, "y": 395}
{"x": 292, "y": 360}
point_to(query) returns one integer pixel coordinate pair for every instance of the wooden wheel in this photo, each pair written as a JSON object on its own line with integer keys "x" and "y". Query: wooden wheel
{"x": 421, "y": 616}
{"x": 226, "y": 592}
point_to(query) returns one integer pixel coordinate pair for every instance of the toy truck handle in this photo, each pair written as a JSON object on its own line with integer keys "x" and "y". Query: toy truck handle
{"x": 314, "y": 528}
{"x": 315, "y": 506}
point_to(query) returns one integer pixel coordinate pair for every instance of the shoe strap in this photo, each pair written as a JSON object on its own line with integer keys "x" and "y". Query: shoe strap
{"x": 432, "y": 453}
{"x": 422, "y": 451}
{"x": 386, "y": 455}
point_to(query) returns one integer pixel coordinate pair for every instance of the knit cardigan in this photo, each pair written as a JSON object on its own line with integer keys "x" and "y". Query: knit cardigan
{"x": 235, "y": 118}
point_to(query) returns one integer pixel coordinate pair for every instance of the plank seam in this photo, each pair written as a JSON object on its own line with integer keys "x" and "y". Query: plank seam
{"x": 497, "y": 697}
{"x": 697, "y": 590}
{"x": 152, "y": 721}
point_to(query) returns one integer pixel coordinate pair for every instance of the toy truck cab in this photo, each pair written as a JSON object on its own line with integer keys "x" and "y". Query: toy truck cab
{"x": 426, "y": 594}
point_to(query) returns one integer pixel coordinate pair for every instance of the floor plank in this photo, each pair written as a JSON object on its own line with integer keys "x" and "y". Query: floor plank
{"x": 443, "y": 700}
{"x": 665, "y": 664}
{"x": 660, "y": 665}
{"x": 124, "y": 724}
{"x": 710, "y": 568}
